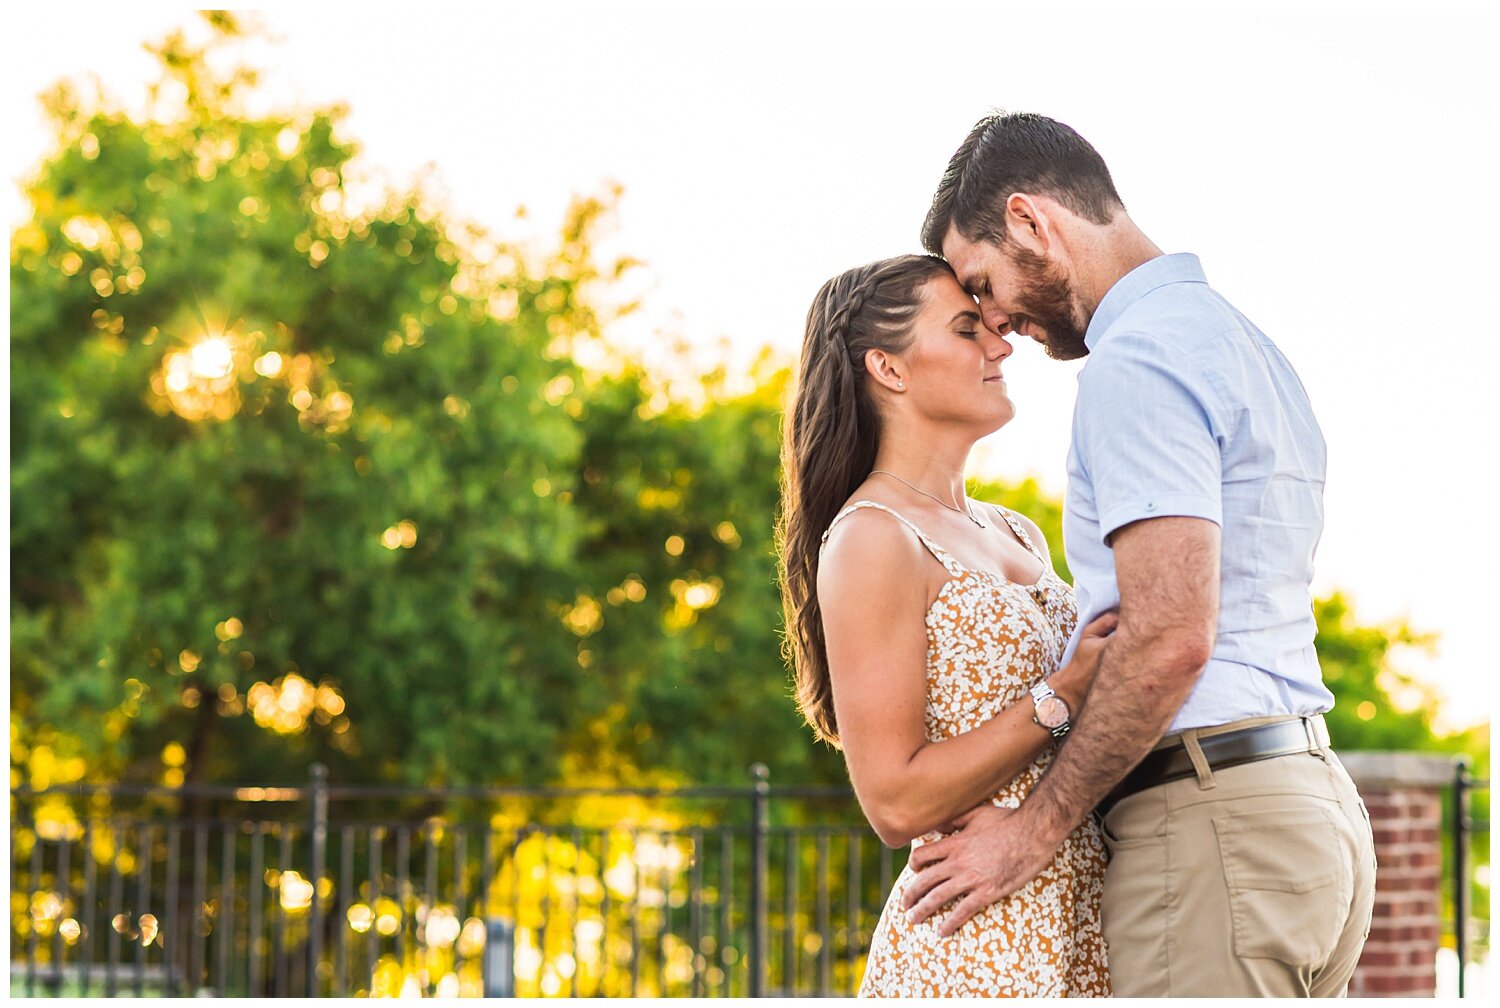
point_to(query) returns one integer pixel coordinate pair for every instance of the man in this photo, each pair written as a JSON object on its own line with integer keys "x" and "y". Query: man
{"x": 1242, "y": 861}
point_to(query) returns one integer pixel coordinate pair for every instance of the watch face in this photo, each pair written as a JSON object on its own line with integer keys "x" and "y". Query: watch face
{"x": 1052, "y": 712}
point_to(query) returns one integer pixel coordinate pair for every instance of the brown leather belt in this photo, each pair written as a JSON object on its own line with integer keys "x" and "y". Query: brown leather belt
{"x": 1248, "y": 745}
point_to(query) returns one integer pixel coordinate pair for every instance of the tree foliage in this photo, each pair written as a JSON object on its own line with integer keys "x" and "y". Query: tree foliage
{"x": 291, "y": 479}
{"x": 297, "y": 475}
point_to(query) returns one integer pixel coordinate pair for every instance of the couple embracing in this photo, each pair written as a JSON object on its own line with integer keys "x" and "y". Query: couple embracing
{"x": 1124, "y": 786}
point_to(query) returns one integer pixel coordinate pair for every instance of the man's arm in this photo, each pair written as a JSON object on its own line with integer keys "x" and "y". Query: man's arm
{"x": 1168, "y": 573}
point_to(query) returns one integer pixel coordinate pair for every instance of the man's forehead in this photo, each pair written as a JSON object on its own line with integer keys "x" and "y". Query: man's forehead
{"x": 962, "y": 257}
{"x": 961, "y": 253}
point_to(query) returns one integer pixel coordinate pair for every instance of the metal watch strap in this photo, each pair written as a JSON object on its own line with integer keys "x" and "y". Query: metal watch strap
{"x": 1041, "y": 691}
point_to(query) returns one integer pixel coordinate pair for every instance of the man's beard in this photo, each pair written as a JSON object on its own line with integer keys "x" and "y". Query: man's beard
{"x": 1046, "y": 299}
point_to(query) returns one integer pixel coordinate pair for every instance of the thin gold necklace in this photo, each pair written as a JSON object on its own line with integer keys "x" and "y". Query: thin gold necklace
{"x": 963, "y": 511}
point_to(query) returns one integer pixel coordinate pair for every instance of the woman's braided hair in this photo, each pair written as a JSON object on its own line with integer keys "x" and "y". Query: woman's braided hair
{"x": 831, "y": 434}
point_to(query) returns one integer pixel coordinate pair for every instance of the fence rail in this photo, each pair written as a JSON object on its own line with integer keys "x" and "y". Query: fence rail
{"x": 325, "y": 890}
{"x": 322, "y": 890}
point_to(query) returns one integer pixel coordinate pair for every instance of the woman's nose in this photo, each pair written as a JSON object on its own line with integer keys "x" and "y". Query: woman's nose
{"x": 997, "y": 347}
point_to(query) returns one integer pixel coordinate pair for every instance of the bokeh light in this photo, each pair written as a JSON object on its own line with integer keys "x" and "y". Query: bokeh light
{"x": 199, "y": 382}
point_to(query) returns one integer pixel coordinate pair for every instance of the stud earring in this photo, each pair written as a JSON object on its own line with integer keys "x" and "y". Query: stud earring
{"x": 901, "y": 384}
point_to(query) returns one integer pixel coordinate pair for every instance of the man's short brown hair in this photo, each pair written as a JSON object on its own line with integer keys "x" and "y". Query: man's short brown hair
{"x": 1019, "y": 152}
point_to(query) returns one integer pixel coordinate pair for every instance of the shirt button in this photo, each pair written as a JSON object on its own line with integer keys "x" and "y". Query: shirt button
{"x": 1150, "y": 507}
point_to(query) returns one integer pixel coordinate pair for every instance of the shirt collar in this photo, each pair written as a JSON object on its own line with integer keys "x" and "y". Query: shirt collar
{"x": 1180, "y": 267}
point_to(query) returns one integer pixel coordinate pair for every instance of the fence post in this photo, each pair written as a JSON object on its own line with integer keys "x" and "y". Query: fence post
{"x": 1460, "y": 866}
{"x": 319, "y": 839}
{"x": 760, "y": 822}
{"x": 25, "y": 801}
{"x": 499, "y": 963}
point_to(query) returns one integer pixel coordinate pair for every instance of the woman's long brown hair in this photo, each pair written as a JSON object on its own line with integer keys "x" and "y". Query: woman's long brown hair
{"x": 831, "y": 434}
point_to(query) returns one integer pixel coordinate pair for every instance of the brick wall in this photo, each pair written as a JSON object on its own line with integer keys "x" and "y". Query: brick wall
{"x": 1402, "y": 792}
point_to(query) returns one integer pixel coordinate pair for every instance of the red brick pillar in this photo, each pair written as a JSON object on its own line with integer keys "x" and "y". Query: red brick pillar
{"x": 1402, "y": 792}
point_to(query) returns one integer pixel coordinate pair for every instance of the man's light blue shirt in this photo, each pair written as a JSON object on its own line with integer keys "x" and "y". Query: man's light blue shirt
{"x": 1186, "y": 408}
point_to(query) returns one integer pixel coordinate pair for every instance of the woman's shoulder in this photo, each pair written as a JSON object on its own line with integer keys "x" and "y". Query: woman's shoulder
{"x": 871, "y": 535}
{"x": 870, "y": 519}
{"x": 872, "y": 564}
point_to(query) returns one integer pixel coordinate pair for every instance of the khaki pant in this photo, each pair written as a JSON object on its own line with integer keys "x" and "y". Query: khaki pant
{"x": 1252, "y": 881}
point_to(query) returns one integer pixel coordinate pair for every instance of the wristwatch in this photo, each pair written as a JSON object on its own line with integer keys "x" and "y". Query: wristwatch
{"x": 1050, "y": 710}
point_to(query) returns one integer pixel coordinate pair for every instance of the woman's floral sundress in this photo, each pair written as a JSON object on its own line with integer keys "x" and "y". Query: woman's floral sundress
{"x": 988, "y": 641}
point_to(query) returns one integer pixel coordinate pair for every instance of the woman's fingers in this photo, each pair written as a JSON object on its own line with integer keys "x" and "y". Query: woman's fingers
{"x": 1102, "y": 626}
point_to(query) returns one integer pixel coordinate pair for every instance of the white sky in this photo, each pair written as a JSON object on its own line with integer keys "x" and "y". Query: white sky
{"x": 1334, "y": 170}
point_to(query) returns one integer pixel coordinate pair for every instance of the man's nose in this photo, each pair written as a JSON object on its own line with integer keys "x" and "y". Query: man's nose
{"x": 996, "y": 320}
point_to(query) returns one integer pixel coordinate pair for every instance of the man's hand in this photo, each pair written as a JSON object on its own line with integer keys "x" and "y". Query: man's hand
{"x": 994, "y": 852}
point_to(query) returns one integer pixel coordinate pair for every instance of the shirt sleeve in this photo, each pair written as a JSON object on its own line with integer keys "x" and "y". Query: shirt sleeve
{"x": 1147, "y": 434}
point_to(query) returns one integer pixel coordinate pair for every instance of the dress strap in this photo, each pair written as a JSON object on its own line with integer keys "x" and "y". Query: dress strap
{"x": 1020, "y": 532}
{"x": 952, "y": 566}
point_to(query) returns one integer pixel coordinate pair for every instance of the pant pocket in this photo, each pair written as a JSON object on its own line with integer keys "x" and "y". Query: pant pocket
{"x": 1133, "y": 915}
{"x": 1288, "y": 880}
{"x": 1134, "y": 821}
{"x": 1365, "y": 841}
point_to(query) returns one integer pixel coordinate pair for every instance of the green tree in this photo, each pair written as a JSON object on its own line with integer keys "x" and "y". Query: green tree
{"x": 1358, "y": 668}
{"x": 689, "y": 676}
{"x": 291, "y": 478}
{"x": 296, "y": 478}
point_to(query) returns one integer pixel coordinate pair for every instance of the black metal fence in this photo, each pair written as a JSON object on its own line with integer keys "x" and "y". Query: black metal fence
{"x": 325, "y": 890}
{"x": 1461, "y": 831}
{"x": 331, "y": 891}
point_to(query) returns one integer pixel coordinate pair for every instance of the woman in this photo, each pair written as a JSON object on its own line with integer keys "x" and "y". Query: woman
{"x": 920, "y": 620}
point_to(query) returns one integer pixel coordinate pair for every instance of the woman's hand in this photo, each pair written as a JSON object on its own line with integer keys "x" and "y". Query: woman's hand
{"x": 1072, "y": 681}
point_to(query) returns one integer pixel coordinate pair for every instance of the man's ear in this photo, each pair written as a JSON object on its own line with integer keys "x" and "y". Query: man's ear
{"x": 886, "y": 369}
{"x": 1028, "y": 222}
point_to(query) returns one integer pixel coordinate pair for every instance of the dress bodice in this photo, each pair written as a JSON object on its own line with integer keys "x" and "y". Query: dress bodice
{"x": 989, "y": 640}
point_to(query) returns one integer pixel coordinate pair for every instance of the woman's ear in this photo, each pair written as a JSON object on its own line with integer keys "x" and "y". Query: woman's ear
{"x": 886, "y": 369}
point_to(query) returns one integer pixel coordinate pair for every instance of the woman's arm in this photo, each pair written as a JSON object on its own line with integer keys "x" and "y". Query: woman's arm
{"x": 875, "y": 584}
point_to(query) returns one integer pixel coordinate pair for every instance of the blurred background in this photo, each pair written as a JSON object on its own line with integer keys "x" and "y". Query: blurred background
{"x": 402, "y": 398}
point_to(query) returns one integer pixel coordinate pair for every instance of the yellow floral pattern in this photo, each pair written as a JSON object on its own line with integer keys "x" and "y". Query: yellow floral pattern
{"x": 988, "y": 641}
